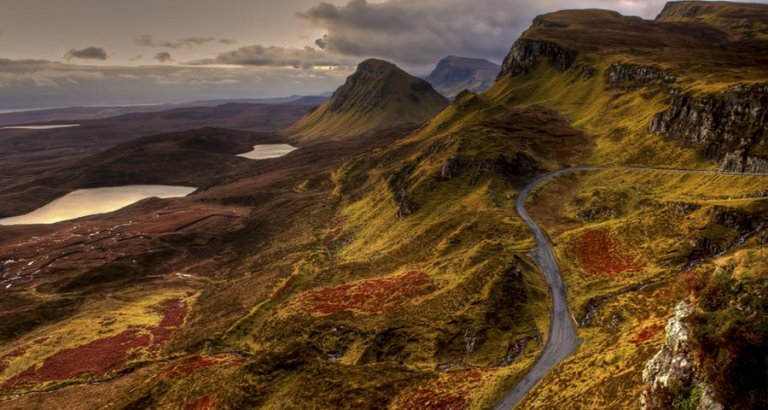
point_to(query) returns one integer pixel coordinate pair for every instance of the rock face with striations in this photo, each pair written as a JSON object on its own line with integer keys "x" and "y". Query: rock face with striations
{"x": 730, "y": 128}
{"x": 674, "y": 363}
{"x": 526, "y": 52}
{"x": 378, "y": 95}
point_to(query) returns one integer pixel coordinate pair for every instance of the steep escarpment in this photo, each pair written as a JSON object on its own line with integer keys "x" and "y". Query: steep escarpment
{"x": 378, "y": 95}
{"x": 729, "y": 127}
{"x": 680, "y": 88}
{"x": 525, "y": 53}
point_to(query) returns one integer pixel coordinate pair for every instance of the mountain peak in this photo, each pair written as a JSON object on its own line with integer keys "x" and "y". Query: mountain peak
{"x": 453, "y": 74}
{"x": 377, "y": 95}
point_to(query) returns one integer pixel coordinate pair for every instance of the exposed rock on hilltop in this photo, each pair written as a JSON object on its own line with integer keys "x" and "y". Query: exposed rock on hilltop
{"x": 694, "y": 63}
{"x": 730, "y": 128}
{"x": 674, "y": 365}
{"x": 378, "y": 95}
{"x": 454, "y": 74}
{"x": 525, "y": 53}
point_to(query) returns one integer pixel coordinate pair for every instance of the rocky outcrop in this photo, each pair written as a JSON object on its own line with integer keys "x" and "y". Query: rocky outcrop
{"x": 730, "y": 128}
{"x": 398, "y": 185}
{"x": 526, "y": 52}
{"x": 619, "y": 73}
{"x": 674, "y": 365}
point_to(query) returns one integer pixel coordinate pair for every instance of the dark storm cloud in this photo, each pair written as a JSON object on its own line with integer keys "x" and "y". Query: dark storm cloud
{"x": 88, "y": 53}
{"x": 163, "y": 57}
{"x": 147, "y": 40}
{"x": 272, "y": 56}
{"x": 422, "y": 32}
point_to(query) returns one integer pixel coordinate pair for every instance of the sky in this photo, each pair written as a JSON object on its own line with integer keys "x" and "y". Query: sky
{"x": 92, "y": 52}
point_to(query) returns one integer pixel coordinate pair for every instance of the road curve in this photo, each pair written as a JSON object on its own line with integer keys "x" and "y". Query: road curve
{"x": 561, "y": 340}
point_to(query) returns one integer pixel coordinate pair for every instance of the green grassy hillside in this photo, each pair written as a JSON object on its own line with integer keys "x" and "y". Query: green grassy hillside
{"x": 390, "y": 270}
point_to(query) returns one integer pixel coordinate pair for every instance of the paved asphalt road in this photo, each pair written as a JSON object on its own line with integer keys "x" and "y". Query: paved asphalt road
{"x": 561, "y": 340}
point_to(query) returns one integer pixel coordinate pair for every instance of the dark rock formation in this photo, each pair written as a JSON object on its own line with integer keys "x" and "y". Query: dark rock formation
{"x": 619, "y": 73}
{"x": 525, "y": 53}
{"x": 398, "y": 185}
{"x": 730, "y": 128}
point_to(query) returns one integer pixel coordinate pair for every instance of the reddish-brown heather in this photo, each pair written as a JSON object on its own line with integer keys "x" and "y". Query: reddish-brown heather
{"x": 646, "y": 333}
{"x": 334, "y": 230}
{"x": 599, "y": 256}
{"x": 195, "y": 363}
{"x": 372, "y": 296}
{"x": 102, "y": 356}
{"x": 203, "y": 403}
{"x": 445, "y": 393}
{"x": 173, "y": 311}
{"x": 98, "y": 357}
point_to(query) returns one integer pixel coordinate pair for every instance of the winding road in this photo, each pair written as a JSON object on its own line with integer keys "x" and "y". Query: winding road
{"x": 562, "y": 340}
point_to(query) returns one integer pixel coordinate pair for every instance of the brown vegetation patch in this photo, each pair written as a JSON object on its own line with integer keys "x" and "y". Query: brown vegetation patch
{"x": 98, "y": 357}
{"x": 173, "y": 311}
{"x": 600, "y": 256}
{"x": 372, "y": 296}
{"x": 195, "y": 363}
{"x": 334, "y": 230}
{"x": 102, "y": 356}
{"x": 646, "y": 333}
{"x": 203, "y": 403}
{"x": 445, "y": 393}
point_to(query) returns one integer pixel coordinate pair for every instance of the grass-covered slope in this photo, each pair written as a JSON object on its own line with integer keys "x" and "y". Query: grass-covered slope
{"x": 657, "y": 93}
{"x": 378, "y": 95}
{"x": 396, "y": 277}
{"x": 631, "y": 245}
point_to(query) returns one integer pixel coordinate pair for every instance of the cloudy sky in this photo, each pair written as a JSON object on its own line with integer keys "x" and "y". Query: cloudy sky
{"x": 86, "y": 52}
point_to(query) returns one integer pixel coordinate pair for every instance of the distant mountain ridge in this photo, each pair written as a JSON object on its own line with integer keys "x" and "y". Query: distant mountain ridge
{"x": 454, "y": 74}
{"x": 378, "y": 95}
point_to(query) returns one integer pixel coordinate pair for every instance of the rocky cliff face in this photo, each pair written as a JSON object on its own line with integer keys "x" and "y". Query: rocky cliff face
{"x": 619, "y": 73}
{"x": 526, "y": 52}
{"x": 674, "y": 365}
{"x": 730, "y": 128}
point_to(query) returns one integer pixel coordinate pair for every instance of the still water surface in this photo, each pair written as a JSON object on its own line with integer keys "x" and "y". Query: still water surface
{"x": 84, "y": 202}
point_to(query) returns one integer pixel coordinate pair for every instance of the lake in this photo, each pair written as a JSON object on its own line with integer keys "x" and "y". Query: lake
{"x": 39, "y": 127}
{"x": 84, "y": 202}
{"x": 267, "y": 151}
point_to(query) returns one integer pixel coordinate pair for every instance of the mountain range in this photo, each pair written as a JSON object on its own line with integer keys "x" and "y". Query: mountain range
{"x": 453, "y": 75}
{"x": 589, "y": 232}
